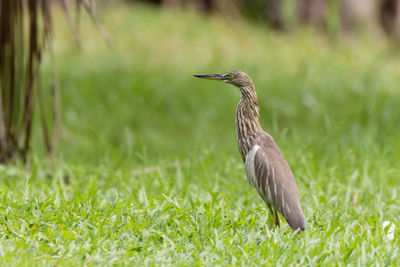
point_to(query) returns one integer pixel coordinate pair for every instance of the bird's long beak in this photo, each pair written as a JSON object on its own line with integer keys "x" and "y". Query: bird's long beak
{"x": 211, "y": 76}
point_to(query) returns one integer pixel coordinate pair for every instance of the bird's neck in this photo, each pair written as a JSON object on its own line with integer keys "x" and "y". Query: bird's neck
{"x": 247, "y": 124}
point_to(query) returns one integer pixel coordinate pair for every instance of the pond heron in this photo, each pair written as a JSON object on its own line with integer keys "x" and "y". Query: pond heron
{"x": 266, "y": 168}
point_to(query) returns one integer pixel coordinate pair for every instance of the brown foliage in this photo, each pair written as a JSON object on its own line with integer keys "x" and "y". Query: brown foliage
{"x": 25, "y": 32}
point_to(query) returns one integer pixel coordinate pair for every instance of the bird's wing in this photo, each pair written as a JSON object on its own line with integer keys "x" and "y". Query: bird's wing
{"x": 274, "y": 180}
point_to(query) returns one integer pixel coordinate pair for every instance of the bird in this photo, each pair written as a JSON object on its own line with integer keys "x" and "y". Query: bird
{"x": 266, "y": 168}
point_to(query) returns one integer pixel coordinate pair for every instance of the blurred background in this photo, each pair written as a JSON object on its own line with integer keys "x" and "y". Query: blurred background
{"x": 347, "y": 16}
{"x": 117, "y": 80}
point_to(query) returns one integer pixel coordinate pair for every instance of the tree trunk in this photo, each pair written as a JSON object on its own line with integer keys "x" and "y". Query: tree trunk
{"x": 202, "y": 5}
{"x": 355, "y": 13}
{"x": 273, "y": 14}
{"x": 389, "y": 16}
{"x": 311, "y": 12}
{"x": 172, "y": 3}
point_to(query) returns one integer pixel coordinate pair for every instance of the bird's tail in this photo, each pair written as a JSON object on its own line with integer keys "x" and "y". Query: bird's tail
{"x": 296, "y": 219}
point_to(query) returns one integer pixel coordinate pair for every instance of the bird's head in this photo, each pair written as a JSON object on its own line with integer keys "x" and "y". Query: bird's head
{"x": 236, "y": 77}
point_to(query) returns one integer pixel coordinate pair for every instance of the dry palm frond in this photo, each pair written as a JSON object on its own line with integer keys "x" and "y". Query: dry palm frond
{"x": 25, "y": 32}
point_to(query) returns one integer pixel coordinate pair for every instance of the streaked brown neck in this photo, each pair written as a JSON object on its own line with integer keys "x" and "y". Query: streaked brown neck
{"x": 247, "y": 114}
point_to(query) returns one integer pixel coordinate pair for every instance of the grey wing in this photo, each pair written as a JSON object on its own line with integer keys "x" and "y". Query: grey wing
{"x": 276, "y": 183}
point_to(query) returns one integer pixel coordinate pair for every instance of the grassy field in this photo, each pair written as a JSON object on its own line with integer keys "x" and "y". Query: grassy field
{"x": 148, "y": 172}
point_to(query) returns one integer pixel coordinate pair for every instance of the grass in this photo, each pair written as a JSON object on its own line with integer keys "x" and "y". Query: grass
{"x": 148, "y": 173}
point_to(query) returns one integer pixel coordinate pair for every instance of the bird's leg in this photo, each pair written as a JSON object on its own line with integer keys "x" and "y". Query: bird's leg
{"x": 272, "y": 217}
{"x": 276, "y": 217}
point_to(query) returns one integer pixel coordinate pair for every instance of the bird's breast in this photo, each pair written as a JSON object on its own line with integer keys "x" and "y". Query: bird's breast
{"x": 263, "y": 189}
{"x": 249, "y": 164}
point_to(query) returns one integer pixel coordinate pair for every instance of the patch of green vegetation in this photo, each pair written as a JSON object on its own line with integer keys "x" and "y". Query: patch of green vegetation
{"x": 147, "y": 171}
